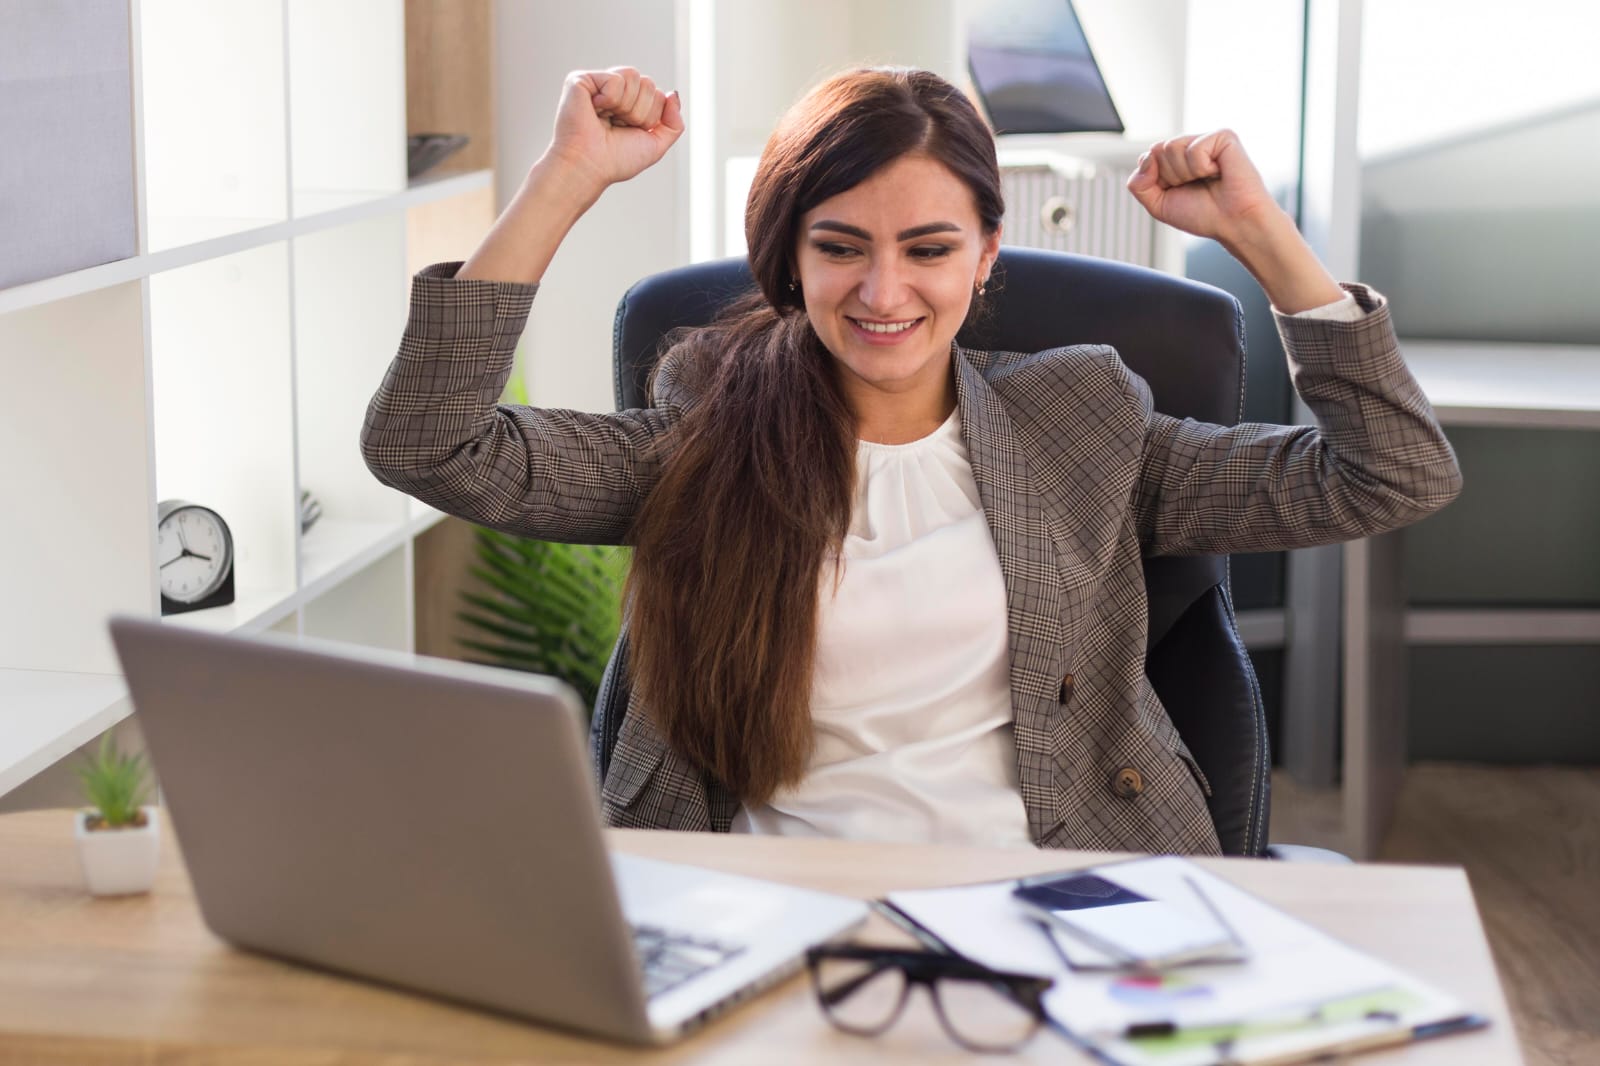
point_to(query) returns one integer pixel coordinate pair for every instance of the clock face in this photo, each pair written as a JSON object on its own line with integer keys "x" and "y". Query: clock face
{"x": 195, "y": 553}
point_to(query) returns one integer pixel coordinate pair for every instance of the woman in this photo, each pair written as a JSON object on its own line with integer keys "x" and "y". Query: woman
{"x": 884, "y": 587}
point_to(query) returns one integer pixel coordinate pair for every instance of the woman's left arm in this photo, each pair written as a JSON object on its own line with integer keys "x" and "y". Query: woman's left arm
{"x": 1207, "y": 186}
{"x": 1377, "y": 460}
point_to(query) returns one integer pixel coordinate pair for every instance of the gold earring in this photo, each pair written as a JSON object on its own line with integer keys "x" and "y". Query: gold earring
{"x": 983, "y": 286}
{"x": 793, "y": 284}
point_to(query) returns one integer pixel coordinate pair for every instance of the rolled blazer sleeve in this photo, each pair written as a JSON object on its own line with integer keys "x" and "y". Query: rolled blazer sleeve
{"x": 1377, "y": 459}
{"x": 436, "y": 430}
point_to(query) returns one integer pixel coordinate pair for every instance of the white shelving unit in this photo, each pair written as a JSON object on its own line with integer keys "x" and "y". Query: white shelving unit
{"x": 230, "y": 360}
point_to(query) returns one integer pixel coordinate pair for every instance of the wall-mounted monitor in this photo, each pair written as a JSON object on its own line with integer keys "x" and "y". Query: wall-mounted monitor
{"x": 1033, "y": 69}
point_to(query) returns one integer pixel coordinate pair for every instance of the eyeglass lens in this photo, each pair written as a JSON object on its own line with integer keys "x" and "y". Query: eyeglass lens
{"x": 862, "y": 995}
{"x": 865, "y": 996}
{"x": 983, "y": 1015}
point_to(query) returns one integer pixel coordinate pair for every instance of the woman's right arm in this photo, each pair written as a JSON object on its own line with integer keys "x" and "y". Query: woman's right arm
{"x": 435, "y": 429}
{"x": 610, "y": 126}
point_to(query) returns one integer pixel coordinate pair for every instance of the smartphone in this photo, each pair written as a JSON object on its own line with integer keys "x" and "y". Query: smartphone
{"x": 1131, "y": 929}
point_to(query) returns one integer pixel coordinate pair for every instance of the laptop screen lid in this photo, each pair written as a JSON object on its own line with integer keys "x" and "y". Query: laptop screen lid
{"x": 429, "y": 824}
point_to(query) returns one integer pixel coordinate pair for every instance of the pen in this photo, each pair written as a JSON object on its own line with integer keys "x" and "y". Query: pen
{"x": 1460, "y": 1023}
{"x": 1145, "y": 1030}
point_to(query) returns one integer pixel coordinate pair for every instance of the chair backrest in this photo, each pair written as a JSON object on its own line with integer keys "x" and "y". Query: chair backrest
{"x": 1187, "y": 341}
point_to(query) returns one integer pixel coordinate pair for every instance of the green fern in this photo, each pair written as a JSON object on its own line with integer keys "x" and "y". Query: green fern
{"x": 115, "y": 784}
{"x": 549, "y": 608}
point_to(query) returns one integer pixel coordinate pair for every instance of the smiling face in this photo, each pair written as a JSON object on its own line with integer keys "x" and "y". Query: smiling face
{"x": 888, "y": 270}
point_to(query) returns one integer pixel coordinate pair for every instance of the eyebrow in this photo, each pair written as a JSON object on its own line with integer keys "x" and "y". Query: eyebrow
{"x": 904, "y": 235}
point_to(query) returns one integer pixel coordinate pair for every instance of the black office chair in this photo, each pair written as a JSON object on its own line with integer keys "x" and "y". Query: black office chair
{"x": 1187, "y": 341}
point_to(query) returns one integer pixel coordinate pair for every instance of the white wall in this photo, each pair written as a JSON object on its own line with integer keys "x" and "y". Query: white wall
{"x": 1543, "y": 164}
{"x": 1243, "y": 72}
{"x": 1140, "y": 48}
{"x": 636, "y": 229}
{"x": 769, "y": 52}
{"x": 1481, "y": 106}
{"x": 1436, "y": 69}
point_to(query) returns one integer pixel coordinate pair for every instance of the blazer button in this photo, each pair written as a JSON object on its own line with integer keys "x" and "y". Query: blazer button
{"x": 1127, "y": 782}
{"x": 1066, "y": 687}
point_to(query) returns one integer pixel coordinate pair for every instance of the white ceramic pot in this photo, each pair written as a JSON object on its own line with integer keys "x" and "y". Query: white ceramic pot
{"x": 117, "y": 862}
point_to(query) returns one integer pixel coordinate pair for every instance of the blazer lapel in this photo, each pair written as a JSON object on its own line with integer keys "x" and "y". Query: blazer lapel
{"x": 1033, "y": 596}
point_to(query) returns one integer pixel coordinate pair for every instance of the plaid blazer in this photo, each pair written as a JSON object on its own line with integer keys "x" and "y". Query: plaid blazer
{"x": 1078, "y": 476}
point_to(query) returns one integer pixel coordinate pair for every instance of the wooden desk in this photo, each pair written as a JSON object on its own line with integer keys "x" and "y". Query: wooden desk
{"x": 141, "y": 980}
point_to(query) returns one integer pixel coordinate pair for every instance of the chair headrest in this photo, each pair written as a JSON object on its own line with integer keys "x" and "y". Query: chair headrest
{"x": 1184, "y": 338}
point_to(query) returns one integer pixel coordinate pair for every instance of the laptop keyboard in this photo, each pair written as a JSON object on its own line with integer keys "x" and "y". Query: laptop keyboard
{"x": 670, "y": 958}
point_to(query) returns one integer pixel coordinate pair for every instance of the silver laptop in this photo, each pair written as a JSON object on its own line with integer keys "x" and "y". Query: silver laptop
{"x": 435, "y": 825}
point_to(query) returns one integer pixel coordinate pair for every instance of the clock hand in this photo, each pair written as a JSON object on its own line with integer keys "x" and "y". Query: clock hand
{"x": 179, "y": 527}
{"x": 169, "y": 562}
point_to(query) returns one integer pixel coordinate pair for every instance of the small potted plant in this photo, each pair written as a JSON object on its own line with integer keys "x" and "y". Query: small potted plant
{"x": 119, "y": 840}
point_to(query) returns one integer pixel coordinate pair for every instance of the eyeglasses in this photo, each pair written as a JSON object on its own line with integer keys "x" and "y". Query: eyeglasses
{"x": 863, "y": 990}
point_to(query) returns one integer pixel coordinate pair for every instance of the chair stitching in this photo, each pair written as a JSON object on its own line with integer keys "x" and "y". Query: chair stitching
{"x": 616, "y": 348}
{"x": 1238, "y": 328}
{"x": 1253, "y": 827}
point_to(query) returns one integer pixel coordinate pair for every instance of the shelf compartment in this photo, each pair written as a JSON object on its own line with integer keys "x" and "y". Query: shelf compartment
{"x": 347, "y": 118}
{"x": 214, "y": 128}
{"x": 251, "y": 611}
{"x": 66, "y": 119}
{"x": 91, "y": 279}
{"x": 223, "y": 417}
{"x": 350, "y": 308}
{"x": 448, "y": 77}
{"x": 372, "y": 607}
{"x": 49, "y": 714}
{"x": 80, "y": 485}
{"x": 335, "y": 549}
{"x": 449, "y": 228}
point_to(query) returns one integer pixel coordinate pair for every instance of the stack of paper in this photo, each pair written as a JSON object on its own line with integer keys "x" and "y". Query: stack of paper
{"x": 1300, "y": 994}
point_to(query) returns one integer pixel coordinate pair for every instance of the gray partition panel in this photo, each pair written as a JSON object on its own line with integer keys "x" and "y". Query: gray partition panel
{"x": 1525, "y": 530}
{"x": 66, "y": 137}
{"x": 1514, "y": 705}
{"x": 1487, "y": 275}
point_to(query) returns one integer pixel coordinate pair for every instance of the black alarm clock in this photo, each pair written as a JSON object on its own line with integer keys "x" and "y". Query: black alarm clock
{"x": 194, "y": 551}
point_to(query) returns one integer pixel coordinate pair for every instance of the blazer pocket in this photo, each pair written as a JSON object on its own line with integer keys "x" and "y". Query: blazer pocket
{"x": 1181, "y": 750}
{"x": 1166, "y": 734}
{"x": 635, "y": 760}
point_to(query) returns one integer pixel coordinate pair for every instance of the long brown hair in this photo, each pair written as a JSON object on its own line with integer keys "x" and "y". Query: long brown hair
{"x": 758, "y": 482}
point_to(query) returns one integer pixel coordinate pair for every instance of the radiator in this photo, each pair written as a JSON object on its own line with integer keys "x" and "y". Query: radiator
{"x": 1087, "y": 210}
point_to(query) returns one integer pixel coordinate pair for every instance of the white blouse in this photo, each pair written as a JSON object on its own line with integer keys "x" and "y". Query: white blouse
{"x": 910, "y": 696}
{"x": 911, "y": 699}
